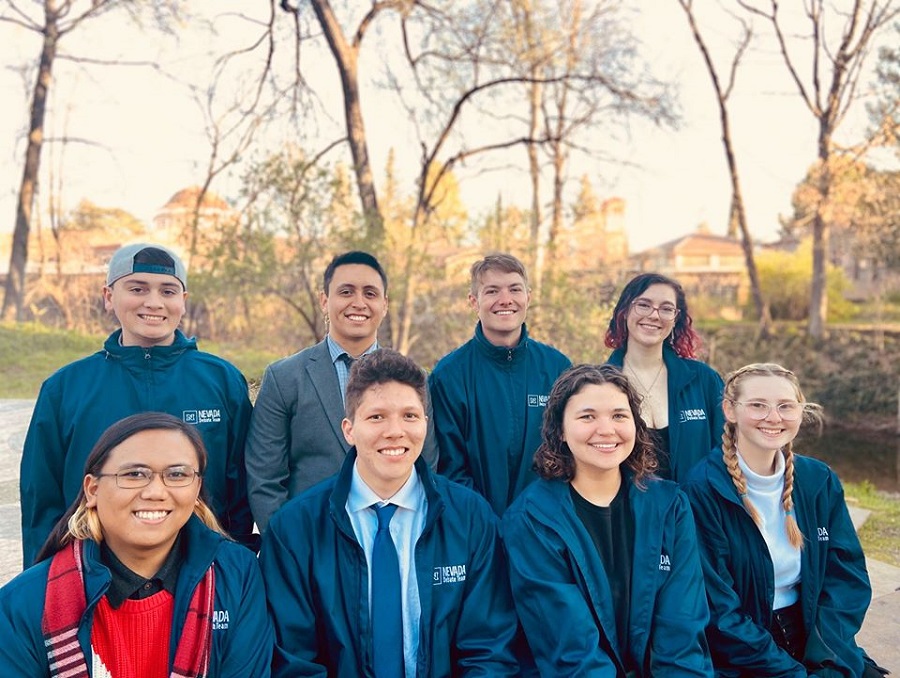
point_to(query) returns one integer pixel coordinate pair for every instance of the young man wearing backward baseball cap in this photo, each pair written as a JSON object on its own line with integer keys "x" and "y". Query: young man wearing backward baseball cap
{"x": 147, "y": 365}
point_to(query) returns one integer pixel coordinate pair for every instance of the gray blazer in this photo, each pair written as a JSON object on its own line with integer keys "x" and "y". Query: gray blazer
{"x": 295, "y": 438}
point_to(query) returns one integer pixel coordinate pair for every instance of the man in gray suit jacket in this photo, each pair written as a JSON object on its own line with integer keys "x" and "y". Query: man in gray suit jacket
{"x": 295, "y": 438}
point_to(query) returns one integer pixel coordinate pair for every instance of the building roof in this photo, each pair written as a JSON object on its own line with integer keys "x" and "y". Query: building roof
{"x": 186, "y": 198}
{"x": 699, "y": 244}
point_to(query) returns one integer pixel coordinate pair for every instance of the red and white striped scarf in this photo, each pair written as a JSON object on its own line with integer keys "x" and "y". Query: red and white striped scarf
{"x": 64, "y": 605}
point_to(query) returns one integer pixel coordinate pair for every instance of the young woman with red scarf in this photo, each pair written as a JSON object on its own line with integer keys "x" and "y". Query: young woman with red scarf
{"x": 137, "y": 579}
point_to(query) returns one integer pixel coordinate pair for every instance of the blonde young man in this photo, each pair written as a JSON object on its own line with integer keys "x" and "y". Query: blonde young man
{"x": 490, "y": 393}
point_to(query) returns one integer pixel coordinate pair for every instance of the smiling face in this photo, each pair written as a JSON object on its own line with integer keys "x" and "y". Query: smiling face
{"x": 651, "y": 330}
{"x": 355, "y": 303}
{"x": 762, "y": 437}
{"x": 149, "y": 306}
{"x": 141, "y": 525}
{"x": 388, "y": 430}
{"x": 501, "y": 303}
{"x": 599, "y": 429}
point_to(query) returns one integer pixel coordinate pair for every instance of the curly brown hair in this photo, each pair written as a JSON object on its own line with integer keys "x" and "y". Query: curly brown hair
{"x": 554, "y": 460}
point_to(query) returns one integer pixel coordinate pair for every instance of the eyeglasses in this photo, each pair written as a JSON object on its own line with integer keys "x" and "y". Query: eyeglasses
{"x": 134, "y": 478}
{"x": 759, "y": 410}
{"x": 644, "y": 308}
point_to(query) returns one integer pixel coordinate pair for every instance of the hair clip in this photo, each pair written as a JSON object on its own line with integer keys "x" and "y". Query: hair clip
{"x": 789, "y": 513}
{"x": 742, "y": 495}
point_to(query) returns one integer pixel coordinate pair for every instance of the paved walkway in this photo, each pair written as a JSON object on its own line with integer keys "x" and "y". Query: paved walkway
{"x": 880, "y": 634}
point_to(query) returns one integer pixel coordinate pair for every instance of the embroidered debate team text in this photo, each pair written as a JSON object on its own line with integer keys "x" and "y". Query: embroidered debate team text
{"x": 537, "y": 400}
{"x": 698, "y": 414}
{"x": 449, "y": 574}
{"x": 211, "y": 416}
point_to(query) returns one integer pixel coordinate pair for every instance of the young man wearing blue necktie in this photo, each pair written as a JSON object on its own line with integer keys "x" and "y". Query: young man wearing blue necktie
{"x": 385, "y": 569}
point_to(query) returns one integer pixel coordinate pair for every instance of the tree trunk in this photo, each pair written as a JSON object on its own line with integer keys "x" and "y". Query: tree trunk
{"x": 739, "y": 214}
{"x": 14, "y": 297}
{"x": 534, "y": 170}
{"x": 556, "y": 216}
{"x": 346, "y": 59}
{"x": 818, "y": 301}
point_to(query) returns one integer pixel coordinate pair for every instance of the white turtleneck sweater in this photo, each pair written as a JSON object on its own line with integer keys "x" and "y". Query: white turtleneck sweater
{"x": 764, "y": 493}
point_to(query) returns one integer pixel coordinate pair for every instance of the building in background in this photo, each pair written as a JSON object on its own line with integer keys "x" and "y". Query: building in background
{"x": 710, "y": 267}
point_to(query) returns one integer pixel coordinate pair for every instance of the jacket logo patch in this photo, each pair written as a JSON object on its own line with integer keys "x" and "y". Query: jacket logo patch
{"x": 220, "y": 620}
{"x": 823, "y": 533}
{"x": 448, "y": 574}
{"x": 664, "y": 563}
{"x": 692, "y": 415}
{"x": 537, "y": 400}
{"x": 202, "y": 416}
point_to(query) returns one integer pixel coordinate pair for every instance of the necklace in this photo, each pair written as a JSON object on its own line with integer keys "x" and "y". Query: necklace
{"x": 648, "y": 394}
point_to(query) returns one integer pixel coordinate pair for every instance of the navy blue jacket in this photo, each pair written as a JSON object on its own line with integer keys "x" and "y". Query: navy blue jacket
{"x": 317, "y": 585}
{"x": 563, "y": 596}
{"x": 489, "y": 403}
{"x": 241, "y": 634}
{"x": 740, "y": 581}
{"x": 81, "y": 400}
{"x": 696, "y": 420}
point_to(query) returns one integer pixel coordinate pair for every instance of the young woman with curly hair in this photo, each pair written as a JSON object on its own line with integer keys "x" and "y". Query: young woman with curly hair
{"x": 655, "y": 344}
{"x": 785, "y": 573}
{"x": 602, "y": 553}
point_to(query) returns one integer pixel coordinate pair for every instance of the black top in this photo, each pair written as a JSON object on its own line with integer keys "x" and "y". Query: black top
{"x": 127, "y": 584}
{"x": 612, "y": 530}
{"x": 660, "y": 439}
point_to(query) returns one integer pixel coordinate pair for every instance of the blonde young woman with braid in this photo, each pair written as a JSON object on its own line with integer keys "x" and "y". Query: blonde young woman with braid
{"x": 785, "y": 573}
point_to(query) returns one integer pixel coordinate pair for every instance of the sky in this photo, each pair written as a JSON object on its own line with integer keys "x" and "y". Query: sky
{"x": 144, "y": 139}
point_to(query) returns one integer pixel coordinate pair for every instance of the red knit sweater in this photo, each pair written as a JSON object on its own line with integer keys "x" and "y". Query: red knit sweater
{"x": 133, "y": 641}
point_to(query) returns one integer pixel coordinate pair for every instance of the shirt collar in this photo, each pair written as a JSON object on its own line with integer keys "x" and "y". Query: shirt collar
{"x": 362, "y": 496}
{"x": 763, "y": 483}
{"x": 335, "y": 350}
{"x": 128, "y": 584}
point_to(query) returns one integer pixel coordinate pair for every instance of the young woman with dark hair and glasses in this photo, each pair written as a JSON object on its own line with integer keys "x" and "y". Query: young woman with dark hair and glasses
{"x": 785, "y": 573}
{"x": 656, "y": 347}
{"x": 137, "y": 578}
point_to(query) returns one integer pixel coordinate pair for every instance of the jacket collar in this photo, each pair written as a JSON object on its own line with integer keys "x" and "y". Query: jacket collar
{"x": 501, "y": 354}
{"x": 161, "y": 356}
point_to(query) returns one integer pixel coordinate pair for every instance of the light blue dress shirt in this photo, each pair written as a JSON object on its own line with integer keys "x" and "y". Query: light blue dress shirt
{"x": 406, "y": 528}
{"x": 340, "y": 367}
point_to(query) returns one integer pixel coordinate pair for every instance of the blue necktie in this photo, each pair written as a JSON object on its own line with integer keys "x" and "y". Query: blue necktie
{"x": 387, "y": 617}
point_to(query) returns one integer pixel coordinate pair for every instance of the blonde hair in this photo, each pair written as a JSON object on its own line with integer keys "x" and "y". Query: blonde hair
{"x": 811, "y": 412}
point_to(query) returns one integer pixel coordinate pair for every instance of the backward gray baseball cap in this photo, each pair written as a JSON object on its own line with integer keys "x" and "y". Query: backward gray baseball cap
{"x": 144, "y": 257}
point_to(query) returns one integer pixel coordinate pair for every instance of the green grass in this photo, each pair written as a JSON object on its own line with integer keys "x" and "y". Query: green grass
{"x": 29, "y": 353}
{"x": 880, "y": 535}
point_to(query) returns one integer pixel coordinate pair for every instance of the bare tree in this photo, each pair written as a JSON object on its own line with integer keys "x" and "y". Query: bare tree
{"x": 738, "y": 213}
{"x": 59, "y": 18}
{"x": 470, "y": 76}
{"x": 581, "y": 60}
{"x": 836, "y": 45}
{"x": 346, "y": 56}
{"x": 231, "y": 125}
